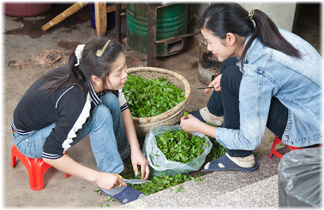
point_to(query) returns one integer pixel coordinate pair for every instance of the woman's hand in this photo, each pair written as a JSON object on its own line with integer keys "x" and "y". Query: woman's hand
{"x": 191, "y": 123}
{"x": 215, "y": 83}
{"x": 138, "y": 159}
{"x": 108, "y": 181}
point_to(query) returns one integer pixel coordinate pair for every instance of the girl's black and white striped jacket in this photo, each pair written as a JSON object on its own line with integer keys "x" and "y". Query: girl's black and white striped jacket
{"x": 68, "y": 107}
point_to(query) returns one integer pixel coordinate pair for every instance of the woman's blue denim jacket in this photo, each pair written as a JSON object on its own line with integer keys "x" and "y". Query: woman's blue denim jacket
{"x": 295, "y": 82}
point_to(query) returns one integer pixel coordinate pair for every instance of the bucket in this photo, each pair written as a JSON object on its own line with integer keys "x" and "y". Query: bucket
{"x": 26, "y": 9}
{"x": 208, "y": 65}
{"x": 171, "y": 21}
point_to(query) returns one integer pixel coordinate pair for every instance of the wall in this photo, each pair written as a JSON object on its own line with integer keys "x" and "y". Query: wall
{"x": 282, "y": 14}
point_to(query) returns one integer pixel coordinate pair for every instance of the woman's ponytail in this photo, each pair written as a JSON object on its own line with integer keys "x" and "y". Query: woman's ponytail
{"x": 268, "y": 34}
{"x": 223, "y": 18}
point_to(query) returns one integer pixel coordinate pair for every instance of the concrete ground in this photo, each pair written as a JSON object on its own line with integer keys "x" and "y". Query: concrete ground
{"x": 24, "y": 48}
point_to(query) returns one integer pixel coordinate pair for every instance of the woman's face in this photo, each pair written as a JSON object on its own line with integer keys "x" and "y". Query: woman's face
{"x": 217, "y": 46}
{"x": 117, "y": 77}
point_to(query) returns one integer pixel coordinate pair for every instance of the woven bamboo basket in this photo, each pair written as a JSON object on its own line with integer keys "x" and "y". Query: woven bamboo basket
{"x": 170, "y": 117}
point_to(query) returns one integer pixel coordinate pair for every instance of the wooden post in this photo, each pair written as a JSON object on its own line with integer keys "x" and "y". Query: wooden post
{"x": 101, "y": 18}
{"x": 151, "y": 35}
{"x": 117, "y": 23}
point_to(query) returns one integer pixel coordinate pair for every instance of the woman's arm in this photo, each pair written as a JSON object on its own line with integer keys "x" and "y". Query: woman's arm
{"x": 104, "y": 180}
{"x": 136, "y": 155}
{"x": 256, "y": 91}
{"x": 255, "y": 98}
{"x": 192, "y": 124}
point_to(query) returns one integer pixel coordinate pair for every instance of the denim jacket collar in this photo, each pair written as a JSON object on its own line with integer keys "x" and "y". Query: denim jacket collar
{"x": 246, "y": 59}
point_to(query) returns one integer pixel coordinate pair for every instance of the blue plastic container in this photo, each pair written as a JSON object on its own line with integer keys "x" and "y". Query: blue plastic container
{"x": 110, "y": 18}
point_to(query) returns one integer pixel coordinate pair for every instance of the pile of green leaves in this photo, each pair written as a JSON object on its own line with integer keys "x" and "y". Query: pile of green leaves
{"x": 160, "y": 183}
{"x": 151, "y": 97}
{"x": 181, "y": 146}
{"x": 216, "y": 151}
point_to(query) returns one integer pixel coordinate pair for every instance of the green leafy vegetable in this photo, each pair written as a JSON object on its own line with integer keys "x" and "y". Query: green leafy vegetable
{"x": 186, "y": 115}
{"x": 98, "y": 191}
{"x": 216, "y": 151}
{"x": 109, "y": 199}
{"x": 151, "y": 97}
{"x": 180, "y": 189}
{"x": 180, "y": 146}
{"x": 104, "y": 205}
{"x": 158, "y": 182}
{"x": 164, "y": 182}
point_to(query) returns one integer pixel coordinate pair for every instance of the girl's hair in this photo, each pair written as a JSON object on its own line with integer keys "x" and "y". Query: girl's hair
{"x": 90, "y": 64}
{"x": 224, "y": 18}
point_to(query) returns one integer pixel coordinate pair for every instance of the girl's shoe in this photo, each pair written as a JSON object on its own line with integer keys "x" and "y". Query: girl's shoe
{"x": 205, "y": 116}
{"x": 124, "y": 194}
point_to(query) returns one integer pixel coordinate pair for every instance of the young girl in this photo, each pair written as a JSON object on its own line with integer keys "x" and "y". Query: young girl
{"x": 70, "y": 102}
{"x": 277, "y": 84}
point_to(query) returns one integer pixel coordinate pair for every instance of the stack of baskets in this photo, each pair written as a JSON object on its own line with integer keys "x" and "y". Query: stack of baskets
{"x": 170, "y": 117}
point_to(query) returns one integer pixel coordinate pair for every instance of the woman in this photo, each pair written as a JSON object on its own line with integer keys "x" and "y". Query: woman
{"x": 70, "y": 102}
{"x": 277, "y": 85}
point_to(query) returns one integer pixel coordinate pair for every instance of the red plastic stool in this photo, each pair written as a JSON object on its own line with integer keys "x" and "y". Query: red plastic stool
{"x": 36, "y": 168}
{"x": 277, "y": 141}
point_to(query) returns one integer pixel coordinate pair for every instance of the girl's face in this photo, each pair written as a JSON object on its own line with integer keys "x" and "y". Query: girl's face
{"x": 117, "y": 77}
{"x": 217, "y": 46}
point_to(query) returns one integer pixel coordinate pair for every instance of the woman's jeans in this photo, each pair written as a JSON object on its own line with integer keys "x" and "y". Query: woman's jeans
{"x": 226, "y": 103}
{"x": 106, "y": 131}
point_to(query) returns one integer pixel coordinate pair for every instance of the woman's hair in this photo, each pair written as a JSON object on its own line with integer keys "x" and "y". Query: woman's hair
{"x": 225, "y": 18}
{"x": 90, "y": 64}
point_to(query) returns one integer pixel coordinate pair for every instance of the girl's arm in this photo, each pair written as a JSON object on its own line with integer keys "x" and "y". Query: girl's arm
{"x": 136, "y": 155}
{"x": 104, "y": 180}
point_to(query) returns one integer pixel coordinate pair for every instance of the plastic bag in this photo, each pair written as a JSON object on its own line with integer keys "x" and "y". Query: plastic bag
{"x": 300, "y": 183}
{"x": 160, "y": 164}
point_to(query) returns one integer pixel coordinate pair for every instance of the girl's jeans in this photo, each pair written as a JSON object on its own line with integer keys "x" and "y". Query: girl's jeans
{"x": 226, "y": 103}
{"x": 106, "y": 131}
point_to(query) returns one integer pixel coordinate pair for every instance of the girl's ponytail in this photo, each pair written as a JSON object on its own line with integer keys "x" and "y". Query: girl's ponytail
{"x": 61, "y": 76}
{"x": 84, "y": 63}
{"x": 75, "y": 73}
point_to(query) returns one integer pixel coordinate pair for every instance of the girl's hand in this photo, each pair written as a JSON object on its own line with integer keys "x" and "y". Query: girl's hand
{"x": 190, "y": 123}
{"x": 215, "y": 83}
{"x": 138, "y": 159}
{"x": 108, "y": 181}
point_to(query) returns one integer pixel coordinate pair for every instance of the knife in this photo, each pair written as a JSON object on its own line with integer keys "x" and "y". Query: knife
{"x": 134, "y": 181}
{"x": 204, "y": 87}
